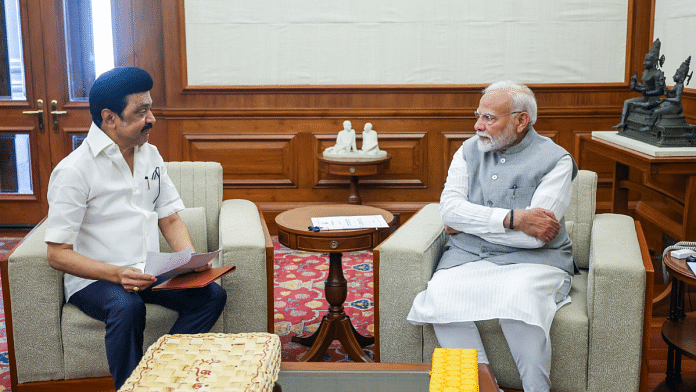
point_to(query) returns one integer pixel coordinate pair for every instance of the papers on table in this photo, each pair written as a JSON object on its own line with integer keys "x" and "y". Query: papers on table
{"x": 692, "y": 266}
{"x": 172, "y": 264}
{"x": 685, "y": 254}
{"x": 350, "y": 222}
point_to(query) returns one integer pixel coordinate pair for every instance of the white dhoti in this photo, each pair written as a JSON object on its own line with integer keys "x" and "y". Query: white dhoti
{"x": 519, "y": 295}
{"x": 484, "y": 291}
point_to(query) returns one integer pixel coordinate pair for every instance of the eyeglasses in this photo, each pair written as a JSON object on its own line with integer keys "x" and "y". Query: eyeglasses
{"x": 490, "y": 118}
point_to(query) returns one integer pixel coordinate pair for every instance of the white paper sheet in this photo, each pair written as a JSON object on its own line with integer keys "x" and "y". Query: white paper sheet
{"x": 172, "y": 264}
{"x": 692, "y": 267}
{"x": 349, "y": 222}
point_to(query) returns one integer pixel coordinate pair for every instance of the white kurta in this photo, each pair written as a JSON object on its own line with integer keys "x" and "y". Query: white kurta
{"x": 482, "y": 290}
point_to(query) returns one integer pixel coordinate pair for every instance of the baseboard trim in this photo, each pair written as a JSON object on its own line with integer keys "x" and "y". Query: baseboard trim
{"x": 98, "y": 384}
{"x": 16, "y": 226}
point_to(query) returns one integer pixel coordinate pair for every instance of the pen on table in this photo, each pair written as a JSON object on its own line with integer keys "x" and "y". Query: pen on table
{"x": 148, "y": 183}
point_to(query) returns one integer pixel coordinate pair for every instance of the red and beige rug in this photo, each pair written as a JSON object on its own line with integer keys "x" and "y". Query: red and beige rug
{"x": 299, "y": 301}
{"x": 6, "y": 244}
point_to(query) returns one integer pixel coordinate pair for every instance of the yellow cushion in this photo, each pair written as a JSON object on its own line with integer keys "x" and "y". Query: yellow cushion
{"x": 454, "y": 370}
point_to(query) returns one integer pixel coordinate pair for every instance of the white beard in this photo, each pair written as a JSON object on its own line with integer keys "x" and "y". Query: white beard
{"x": 501, "y": 143}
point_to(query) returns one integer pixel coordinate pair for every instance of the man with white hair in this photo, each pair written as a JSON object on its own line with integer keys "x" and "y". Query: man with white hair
{"x": 508, "y": 256}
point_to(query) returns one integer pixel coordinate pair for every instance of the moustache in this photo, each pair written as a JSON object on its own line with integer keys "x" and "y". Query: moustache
{"x": 146, "y": 128}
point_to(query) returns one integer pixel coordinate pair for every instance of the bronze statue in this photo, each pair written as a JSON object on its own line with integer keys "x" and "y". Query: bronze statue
{"x": 652, "y": 119}
{"x": 652, "y": 84}
{"x": 672, "y": 103}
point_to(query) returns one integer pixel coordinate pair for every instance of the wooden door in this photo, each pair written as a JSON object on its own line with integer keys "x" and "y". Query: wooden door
{"x": 23, "y": 129}
{"x": 53, "y": 118}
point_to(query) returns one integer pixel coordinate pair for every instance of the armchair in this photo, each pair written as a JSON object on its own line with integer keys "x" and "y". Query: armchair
{"x": 596, "y": 339}
{"x": 50, "y": 340}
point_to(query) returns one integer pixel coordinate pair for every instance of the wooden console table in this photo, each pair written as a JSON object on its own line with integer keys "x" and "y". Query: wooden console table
{"x": 354, "y": 168}
{"x": 668, "y": 185}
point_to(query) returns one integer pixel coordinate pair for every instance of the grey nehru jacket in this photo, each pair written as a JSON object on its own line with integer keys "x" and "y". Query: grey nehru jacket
{"x": 510, "y": 185}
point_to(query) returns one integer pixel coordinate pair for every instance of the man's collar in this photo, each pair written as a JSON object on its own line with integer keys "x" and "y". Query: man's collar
{"x": 524, "y": 143}
{"x": 97, "y": 140}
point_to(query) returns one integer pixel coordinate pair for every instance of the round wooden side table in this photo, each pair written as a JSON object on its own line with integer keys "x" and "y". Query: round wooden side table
{"x": 293, "y": 232}
{"x": 354, "y": 168}
{"x": 679, "y": 330}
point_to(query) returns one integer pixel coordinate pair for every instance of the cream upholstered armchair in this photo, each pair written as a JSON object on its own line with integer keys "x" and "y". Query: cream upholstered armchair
{"x": 597, "y": 340}
{"x": 51, "y": 340}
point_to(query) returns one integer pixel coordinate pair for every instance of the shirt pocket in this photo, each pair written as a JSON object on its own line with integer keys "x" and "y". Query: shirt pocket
{"x": 152, "y": 188}
{"x": 520, "y": 198}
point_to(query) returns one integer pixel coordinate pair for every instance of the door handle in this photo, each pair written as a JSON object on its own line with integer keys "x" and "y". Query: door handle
{"x": 55, "y": 112}
{"x": 39, "y": 112}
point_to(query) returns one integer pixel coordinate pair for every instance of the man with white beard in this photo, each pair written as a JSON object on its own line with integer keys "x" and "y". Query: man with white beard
{"x": 508, "y": 256}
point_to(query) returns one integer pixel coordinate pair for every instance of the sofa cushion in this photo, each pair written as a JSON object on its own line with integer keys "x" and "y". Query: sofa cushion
{"x": 195, "y": 221}
{"x": 84, "y": 353}
{"x": 580, "y": 215}
{"x": 569, "y": 335}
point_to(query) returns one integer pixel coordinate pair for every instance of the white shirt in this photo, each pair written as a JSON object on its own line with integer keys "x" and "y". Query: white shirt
{"x": 106, "y": 212}
{"x": 457, "y": 212}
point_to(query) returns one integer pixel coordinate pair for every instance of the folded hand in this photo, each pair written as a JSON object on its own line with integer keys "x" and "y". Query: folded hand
{"x": 537, "y": 222}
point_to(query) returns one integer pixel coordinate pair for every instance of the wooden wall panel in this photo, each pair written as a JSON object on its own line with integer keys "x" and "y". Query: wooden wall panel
{"x": 248, "y": 161}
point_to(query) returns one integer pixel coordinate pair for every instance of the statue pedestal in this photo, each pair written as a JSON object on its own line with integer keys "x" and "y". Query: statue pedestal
{"x": 670, "y": 130}
{"x": 644, "y": 147}
{"x": 355, "y": 156}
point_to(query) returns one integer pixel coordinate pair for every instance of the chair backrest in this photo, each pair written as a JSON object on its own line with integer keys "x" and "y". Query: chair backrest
{"x": 200, "y": 185}
{"x": 580, "y": 214}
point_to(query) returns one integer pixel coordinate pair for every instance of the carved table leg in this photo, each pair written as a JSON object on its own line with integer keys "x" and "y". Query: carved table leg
{"x": 354, "y": 197}
{"x": 335, "y": 325}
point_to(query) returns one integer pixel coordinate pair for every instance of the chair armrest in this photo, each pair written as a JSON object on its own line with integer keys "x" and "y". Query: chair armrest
{"x": 243, "y": 244}
{"x": 616, "y": 303}
{"x": 36, "y": 298}
{"x": 404, "y": 263}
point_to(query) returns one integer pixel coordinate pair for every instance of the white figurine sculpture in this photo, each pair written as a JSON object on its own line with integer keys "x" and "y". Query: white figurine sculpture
{"x": 345, "y": 142}
{"x": 370, "y": 146}
{"x": 345, "y": 146}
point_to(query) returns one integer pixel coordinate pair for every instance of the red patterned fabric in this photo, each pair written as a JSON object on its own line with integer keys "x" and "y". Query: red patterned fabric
{"x": 300, "y": 303}
{"x": 6, "y": 244}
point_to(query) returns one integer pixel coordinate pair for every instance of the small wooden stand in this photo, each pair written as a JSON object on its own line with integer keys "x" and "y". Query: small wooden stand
{"x": 679, "y": 330}
{"x": 354, "y": 168}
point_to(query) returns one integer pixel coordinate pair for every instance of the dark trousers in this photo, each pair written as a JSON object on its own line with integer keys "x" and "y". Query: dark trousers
{"x": 124, "y": 315}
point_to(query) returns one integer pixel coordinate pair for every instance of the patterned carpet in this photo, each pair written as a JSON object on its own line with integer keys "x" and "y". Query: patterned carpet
{"x": 6, "y": 244}
{"x": 299, "y": 301}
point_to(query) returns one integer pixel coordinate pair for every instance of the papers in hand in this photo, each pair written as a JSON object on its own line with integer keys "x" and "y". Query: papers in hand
{"x": 172, "y": 264}
{"x": 350, "y": 222}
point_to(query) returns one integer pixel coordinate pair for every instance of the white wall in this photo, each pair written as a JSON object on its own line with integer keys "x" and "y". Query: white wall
{"x": 317, "y": 42}
{"x": 675, "y": 26}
